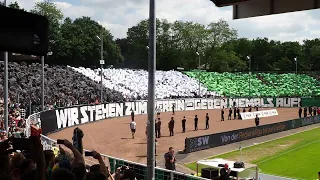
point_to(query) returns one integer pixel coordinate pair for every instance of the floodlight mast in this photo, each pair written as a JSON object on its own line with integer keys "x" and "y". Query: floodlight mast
{"x": 101, "y": 64}
{"x": 199, "y": 74}
{"x": 249, "y": 59}
{"x": 296, "y": 61}
{"x": 151, "y": 91}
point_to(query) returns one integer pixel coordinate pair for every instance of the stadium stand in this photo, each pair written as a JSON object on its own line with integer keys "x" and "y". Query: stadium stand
{"x": 133, "y": 83}
{"x": 262, "y": 84}
{"x": 16, "y": 118}
{"x": 63, "y": 86}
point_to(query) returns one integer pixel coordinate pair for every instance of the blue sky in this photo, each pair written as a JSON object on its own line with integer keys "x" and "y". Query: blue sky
{"x": 119, "y": 15}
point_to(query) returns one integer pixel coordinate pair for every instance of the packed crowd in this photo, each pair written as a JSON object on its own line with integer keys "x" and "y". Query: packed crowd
{"x": 63, "y": 86}
{"x": 16, "y": 121}
{"x": 67, "y": 86}
{"x": 133, "y": 83}
{"x": 26, "y": 160}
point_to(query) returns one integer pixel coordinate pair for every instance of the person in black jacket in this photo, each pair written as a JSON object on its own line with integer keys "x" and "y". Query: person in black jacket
{"x": 184, "y": 124}
{"x": 171, "y": 126}
{"x": 310, "y": 110}
{"x": 250, "y": 109}
{"x": 238, "y": 113}
{"x": 305, "y": 112}
{"x": 158, "y": 128}
{"x": 132, "y": 116}
{"x": 196, "y": 123}
{"x": 225, "y": 173}
{"x": 234, "y": 113}
{"x": 222, "y": 114}
{"x": 314, "y": 111}
{"x": 230, "y": 113}
{"x": 207, "y": 121}
{"x": 173, "y": 107}
{"x": 170, "y": 159}
{"x": 300, "y": 112}
{"x": 257, "y": 120}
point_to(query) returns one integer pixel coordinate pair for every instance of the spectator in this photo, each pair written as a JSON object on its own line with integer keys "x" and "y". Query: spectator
{"x": 64, "y": 86}
{"x": 42, "y": 165}
{"x": 16, "y": 121}
{"x": 170, "y": 159}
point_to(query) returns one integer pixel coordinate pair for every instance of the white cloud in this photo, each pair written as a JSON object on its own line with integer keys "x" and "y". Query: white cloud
{"x": 120, "y": 15}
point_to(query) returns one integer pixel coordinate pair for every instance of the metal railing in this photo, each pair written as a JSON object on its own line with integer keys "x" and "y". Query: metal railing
{"x": 140, "y": 169}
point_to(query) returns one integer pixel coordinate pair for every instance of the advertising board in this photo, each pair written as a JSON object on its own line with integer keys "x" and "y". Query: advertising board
{"x": 214, "y": 140}
{"x": 53, "y": 120}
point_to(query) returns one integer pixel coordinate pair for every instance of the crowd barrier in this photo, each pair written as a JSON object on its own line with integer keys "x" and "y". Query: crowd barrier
{"x": 140, "y": 169}
{"x": 54, "y": 120}
{"x": 213, "y": 140}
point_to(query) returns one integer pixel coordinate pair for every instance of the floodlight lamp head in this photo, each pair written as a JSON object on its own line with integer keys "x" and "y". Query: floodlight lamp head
{"x": 197, "y": 53}
{"x": 98, "y": 37}
{"x": 248, "y": 57}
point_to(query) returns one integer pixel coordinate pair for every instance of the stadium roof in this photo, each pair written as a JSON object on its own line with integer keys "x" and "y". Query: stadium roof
{"x": 254, "y": 8}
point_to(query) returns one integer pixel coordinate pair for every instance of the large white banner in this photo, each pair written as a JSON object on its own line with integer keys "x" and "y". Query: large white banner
{"x": 264, "y": 113}
{"x": 66, "y": 117}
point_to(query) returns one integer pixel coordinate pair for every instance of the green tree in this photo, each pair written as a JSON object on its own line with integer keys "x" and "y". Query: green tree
{"x": 15, "y": 5}
{"x": 137, "y": 38}
{"x": 81, "y": 44}
{"x": 55, "y": 16}
{"x": 309, "y": 55}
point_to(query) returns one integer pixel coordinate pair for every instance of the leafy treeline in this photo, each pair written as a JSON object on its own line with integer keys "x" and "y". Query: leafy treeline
{"x": 75, "y": 42}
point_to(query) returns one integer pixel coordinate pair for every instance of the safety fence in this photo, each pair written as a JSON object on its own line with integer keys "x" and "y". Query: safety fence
{"x": 199, "y": 143}
{"x": 57, "y": 119}
{"x": 140, "y": 169}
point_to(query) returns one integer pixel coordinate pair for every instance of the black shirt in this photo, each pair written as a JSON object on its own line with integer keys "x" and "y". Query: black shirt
{"x": 158, "y": 125}
{"x": 132, "y": 114}
{"x": 207, "y": 118}
{"x": 196, "y": 120}
{"x": 224, "y": 174}
{"x": 183, "y": 122}
{"x": 169, "y": 165}
{"x": 171, "y": 124}
{"x": 230, "y": 112}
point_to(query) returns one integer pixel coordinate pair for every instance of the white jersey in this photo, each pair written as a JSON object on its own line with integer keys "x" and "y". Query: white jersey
{"x": 133, "y": 125}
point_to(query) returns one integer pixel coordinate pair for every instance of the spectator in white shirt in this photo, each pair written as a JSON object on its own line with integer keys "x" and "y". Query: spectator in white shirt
{"x": 133, "y": 128}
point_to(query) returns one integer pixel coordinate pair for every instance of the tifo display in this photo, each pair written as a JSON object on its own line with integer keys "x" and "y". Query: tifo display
{"x": 53, "y": 120}
{"x": 261, "y": 84}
